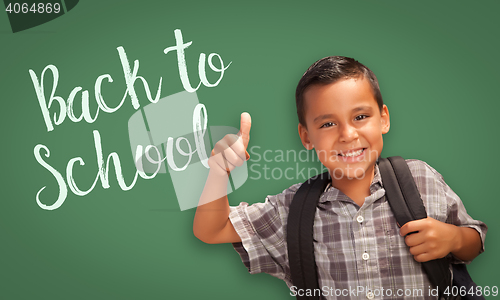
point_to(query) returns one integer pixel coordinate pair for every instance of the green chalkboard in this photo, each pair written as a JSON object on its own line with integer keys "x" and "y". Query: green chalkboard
{"x": 70, "y": 228}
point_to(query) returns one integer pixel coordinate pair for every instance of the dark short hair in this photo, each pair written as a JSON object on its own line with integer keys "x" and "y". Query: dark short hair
{"x": 329, "y": 70}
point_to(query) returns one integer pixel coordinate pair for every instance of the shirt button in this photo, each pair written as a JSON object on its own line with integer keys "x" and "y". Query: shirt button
{"x": 365, "y": 256}
{"x": 370, "y": 295}
{"x": 360, "y": 219}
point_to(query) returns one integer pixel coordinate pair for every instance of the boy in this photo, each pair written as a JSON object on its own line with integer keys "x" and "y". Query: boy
{"x": 358, "y": 245}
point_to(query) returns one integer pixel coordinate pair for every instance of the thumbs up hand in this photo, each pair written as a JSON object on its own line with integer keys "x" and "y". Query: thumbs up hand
{"x": 230, "y": 151}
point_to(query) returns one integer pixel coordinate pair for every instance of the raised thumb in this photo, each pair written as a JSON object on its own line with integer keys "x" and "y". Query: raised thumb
{"x": 245, "y": 124}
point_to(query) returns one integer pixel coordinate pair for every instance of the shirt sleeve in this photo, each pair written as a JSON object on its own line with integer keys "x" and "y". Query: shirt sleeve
{"x": 452, "y": 210}
{"x": 262, "y": 229}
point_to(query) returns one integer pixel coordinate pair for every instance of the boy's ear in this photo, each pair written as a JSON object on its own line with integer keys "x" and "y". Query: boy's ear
{"x": 304, "y": 137}
{"x": 386, "y": 122}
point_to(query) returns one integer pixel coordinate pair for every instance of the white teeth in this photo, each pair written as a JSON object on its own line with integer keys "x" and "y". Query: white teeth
{"x": 352, "y": 154}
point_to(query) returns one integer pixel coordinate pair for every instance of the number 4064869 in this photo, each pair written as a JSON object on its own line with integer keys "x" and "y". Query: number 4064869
{"x": 37, "y": 8}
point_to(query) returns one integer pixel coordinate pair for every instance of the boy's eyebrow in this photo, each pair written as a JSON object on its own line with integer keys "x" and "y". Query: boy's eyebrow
{"x": 361, "y": 108}
{"x": 322, "y": 117}
{"x": 328, "y": 116}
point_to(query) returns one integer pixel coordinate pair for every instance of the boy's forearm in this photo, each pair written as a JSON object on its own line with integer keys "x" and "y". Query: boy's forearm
{"x": 468, "y": 244}
{"x": 211, "y": 222}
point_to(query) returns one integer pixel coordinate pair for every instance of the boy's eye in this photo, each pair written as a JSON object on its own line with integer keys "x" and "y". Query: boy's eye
{"x": 360, "y": 117}
{"x": 328, "y": 124}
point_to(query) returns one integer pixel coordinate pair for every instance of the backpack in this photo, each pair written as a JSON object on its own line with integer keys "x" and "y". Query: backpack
{"x": 406, "y": 204}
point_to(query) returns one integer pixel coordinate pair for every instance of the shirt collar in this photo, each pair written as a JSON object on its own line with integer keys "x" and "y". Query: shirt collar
{"x": 332, "y": 193}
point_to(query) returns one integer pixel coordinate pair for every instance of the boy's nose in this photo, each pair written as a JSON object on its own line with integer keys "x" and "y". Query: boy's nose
{"x": 348, "y": 134}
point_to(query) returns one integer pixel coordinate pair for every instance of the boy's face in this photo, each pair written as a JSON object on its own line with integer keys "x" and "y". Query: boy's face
{"x": 345, "y": 126}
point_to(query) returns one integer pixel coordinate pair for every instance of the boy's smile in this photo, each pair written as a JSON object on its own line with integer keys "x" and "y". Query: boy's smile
{"x": 345, "y": 125}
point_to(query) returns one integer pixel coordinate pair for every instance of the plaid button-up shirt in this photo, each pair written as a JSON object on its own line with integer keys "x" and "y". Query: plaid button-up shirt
{"x": 359, "y": 251}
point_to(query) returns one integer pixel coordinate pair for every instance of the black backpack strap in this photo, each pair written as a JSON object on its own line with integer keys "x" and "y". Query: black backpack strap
{"x": 406, "y": 204}
{"x": 300, "y": 234}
